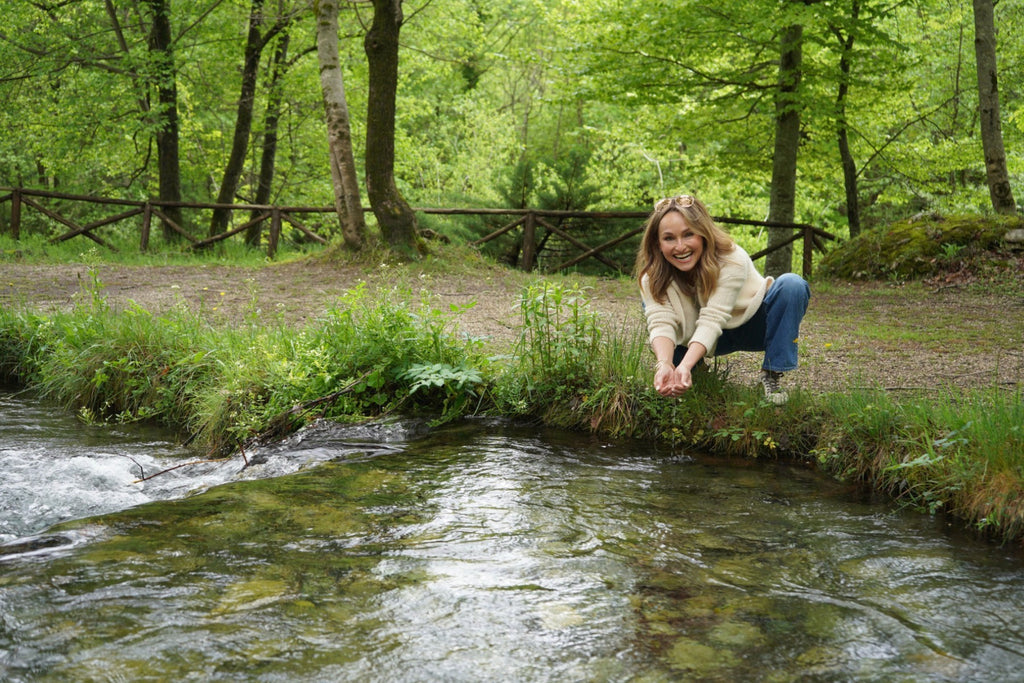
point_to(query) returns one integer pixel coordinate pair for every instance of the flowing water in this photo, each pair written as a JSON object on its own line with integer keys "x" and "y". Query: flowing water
{"x": 479, "y": 552}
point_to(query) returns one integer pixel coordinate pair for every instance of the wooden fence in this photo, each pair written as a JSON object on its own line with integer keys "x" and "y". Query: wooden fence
{"x": 528, "y": 220}
{"x": 149, "y": 209}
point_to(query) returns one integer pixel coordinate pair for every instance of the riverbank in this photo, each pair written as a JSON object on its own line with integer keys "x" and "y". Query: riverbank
{"x": 913, "y": 337}
{"x": 913, "y": 389}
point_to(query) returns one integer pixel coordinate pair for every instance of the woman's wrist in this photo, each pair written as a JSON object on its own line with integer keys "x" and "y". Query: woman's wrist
{"x": 661, "y": 363}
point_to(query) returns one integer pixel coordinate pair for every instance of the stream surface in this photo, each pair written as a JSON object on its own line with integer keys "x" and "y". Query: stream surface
{"x": 482, "y": 551}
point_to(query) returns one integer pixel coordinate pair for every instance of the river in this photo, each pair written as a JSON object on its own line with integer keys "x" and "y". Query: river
{"x": 482, "y": 551}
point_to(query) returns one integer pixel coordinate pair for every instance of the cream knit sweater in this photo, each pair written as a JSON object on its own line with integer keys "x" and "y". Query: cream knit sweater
{"x": 734, "y": 301}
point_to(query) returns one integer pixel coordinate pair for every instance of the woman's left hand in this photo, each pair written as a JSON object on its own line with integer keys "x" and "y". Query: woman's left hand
{"x": 669, "y": 381}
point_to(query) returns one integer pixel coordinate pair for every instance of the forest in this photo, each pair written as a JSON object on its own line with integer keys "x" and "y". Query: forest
{"x": 844, "y": 114}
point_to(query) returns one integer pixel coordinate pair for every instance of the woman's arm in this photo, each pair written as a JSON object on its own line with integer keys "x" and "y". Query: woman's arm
{"x": 694, "y": 352}
{"x": 665, "y": 324}
{"x": 672, "y": 380}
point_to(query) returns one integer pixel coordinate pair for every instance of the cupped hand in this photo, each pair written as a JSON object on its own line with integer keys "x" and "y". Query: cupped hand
{"x": 670, "y": 381}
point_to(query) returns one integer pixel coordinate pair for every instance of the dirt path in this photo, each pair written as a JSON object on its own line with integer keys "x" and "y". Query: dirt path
{"x": 909, "y": 338}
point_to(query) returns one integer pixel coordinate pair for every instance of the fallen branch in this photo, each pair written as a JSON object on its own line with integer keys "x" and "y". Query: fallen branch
{"x": 282, "y": 424}
{"x": 277, "y": 422}
{"x": 179, "y": 466}
{"x": 142, "y": 472}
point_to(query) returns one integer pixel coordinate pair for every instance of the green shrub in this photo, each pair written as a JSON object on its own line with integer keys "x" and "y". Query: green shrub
{"x": 914, "y": 248}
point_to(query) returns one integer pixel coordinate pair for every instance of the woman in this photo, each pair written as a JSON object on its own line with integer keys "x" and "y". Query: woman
{"x": 703, "y": 297}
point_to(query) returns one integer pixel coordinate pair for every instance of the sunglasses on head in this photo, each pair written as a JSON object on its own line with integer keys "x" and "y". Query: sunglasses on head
{"x": 682, "y": 201}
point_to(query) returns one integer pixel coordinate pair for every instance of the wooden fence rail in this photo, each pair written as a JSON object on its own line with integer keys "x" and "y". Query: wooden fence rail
{"x": 529, "y": 220}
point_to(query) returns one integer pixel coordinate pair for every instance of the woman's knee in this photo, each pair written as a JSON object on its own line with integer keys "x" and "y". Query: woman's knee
{"x": 792, "y": 287}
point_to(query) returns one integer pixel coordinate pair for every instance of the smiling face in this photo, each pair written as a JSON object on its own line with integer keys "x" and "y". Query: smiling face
{"x": 679, "y": 244}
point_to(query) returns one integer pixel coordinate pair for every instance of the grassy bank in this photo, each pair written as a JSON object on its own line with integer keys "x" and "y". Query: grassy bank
{"x": 226, "y": 387}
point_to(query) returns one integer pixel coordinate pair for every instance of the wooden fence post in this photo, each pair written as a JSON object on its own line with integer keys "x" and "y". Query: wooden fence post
{"x": 808, "y": 251}
{"x": 275, "y": 231}
{"x": 16, "y": 214}
{"x": 147, "y": 221}
{"x": 529, "y": 242}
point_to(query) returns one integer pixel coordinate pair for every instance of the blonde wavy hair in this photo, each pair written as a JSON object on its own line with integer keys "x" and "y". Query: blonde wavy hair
{"x": 650, "y": 262}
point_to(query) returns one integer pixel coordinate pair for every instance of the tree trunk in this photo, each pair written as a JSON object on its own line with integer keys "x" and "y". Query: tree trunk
{"x": 345, "y": 180}
{"x": 988, "y": 104}
{"x": 846, "y": 158}
{"x": 243, "y": 120}
{"x": 782, "y": 206}
{"x": 395, "y": 217}
{"x": 168, "y": 163}
{"x": 270, "y": 124}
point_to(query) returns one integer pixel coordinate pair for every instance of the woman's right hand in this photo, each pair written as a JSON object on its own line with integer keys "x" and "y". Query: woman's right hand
{"x": 672, "y": 381}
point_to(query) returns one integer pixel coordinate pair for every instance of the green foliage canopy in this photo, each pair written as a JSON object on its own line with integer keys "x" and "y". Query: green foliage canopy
{"x": 567, "y": 104}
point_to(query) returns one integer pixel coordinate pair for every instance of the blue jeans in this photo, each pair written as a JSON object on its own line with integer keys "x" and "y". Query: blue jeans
{"x": 774, "y": 329}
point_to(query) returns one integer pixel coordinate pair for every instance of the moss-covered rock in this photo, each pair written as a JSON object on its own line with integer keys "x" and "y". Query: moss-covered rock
{"x": 916, "y": 247}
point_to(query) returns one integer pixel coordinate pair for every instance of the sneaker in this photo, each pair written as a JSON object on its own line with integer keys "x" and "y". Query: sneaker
{"x": 772, "y": 383}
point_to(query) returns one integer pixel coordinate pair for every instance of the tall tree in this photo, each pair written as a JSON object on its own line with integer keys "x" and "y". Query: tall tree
{"x": 255, "y": 41}
{"x": 271, "y": 122}
{"x": 345, "y": 180}
{"x": 394, "y": 215}
{"x": 725, "y": 86}
{"x": 988, "y": 104}
{"x": 165, "y": 81}
{"x": 846, "y": 41}
{"x": 782, "y": 204}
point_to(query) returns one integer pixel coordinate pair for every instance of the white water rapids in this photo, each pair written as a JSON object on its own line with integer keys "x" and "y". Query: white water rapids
{"x": 54, "y": 468}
